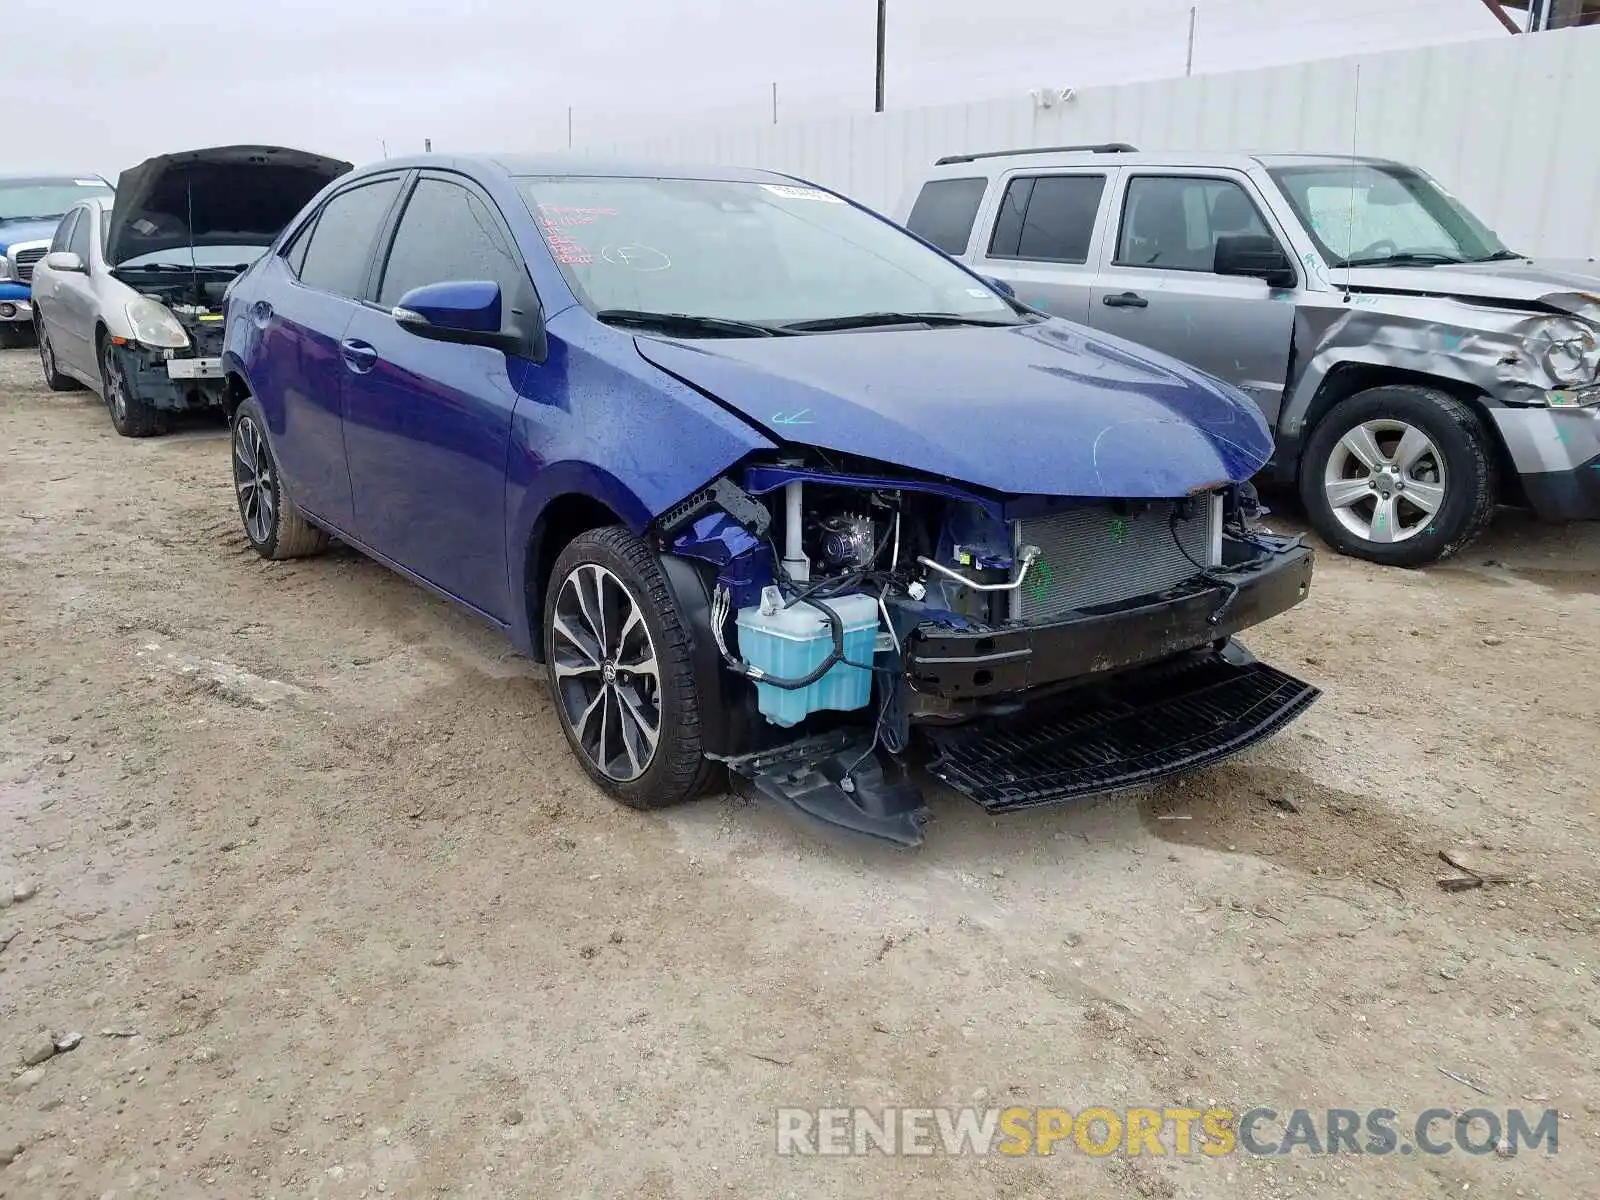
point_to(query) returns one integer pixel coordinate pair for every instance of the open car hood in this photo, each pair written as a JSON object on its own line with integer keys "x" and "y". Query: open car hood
{"x": 224, "y": 196}
{"x": 1050, "y": 409}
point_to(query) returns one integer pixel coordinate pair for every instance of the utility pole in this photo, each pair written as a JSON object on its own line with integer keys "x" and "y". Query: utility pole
{"x": 883, "y": 21}
{"x": 427, "y": 145}
{"x": 1188, "y": 65}
{"x": 774, "y": 103}
{"x": 569, "y": 127}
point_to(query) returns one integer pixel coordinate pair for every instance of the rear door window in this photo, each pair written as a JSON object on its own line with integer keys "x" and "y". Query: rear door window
{"x": 449, "y": 234}
{"x": 340, "y": 248}
{"x": 1047, "y": 218}
{"x": 945, "y": 210}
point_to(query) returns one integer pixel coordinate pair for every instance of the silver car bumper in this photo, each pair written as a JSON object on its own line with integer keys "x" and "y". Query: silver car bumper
{"x": 15, "y": 310}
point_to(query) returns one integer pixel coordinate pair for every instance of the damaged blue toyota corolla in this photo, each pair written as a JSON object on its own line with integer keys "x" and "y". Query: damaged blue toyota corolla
{"x": 768, "y": 484}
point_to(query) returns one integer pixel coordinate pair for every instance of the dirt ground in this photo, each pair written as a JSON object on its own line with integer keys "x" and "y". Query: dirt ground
{"x": 336, "y": 914}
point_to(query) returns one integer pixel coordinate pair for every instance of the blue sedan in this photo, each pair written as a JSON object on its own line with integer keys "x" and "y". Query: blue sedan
{"x": 768, "y": 484}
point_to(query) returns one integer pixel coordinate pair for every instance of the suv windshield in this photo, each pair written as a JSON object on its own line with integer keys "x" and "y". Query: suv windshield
{"x": 1368, "y": 214}
{"x": 741, "y": 259}
{"x": 45, "y": 199}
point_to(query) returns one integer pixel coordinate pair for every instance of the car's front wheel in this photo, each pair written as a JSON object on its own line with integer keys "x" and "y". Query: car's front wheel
{"x": 1400, "y": 475}
{"x": 619, "y": 664}
{"x": 273, "y": 523}
{"x": 131, "y": 414}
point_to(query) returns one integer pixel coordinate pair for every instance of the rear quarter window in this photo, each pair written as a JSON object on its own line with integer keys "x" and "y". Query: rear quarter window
{"x": 945, "y": 210}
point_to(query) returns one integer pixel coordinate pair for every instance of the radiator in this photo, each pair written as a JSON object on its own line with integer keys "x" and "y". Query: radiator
{"x": 1093, "y": 555}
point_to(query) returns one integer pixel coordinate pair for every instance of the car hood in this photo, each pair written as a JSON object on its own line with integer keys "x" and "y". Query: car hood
{"x": 1565, "y": 285}
{"x": 1048, "y": 409}
{"x": 227, "y": 195}
{"x": 12, "y": 232}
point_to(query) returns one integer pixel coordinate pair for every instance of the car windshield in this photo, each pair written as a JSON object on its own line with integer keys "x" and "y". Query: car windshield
{"x": 1376, "y": 213}
{"x": 45, "y": 199}
{"x": 199, "y": 256}
{"x": 754, "y": 255}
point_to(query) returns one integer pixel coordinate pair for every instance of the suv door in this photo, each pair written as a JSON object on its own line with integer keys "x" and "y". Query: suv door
{"x": 1159, "y": 287}
{"x": 314, "y": 284}
{"x": 428, "y": 423}
{"x": 1044, "y": 235}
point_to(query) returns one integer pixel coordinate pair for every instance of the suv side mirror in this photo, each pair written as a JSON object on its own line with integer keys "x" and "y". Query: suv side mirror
{"x": 1255, "y": 255}
{"x": 467, "y": 313}
{"x": 65, "y": 260}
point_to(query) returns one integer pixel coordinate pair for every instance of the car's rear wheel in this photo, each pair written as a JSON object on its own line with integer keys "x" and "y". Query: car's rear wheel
{"x": 131, "y": 414}
{"x": 274, "y": 525}
{"x": 1401, "y": 475}
{"x": 53, "y": 378}
{"x": 618, "y": 659}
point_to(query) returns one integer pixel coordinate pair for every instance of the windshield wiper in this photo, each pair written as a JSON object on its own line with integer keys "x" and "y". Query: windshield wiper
{"x": 687, "y": 324}
{"x": 871, "y": 320}
{"x": 1410, "y": 258}
{"x": 1502, "y": 256}
{"x": 184, "y": 268}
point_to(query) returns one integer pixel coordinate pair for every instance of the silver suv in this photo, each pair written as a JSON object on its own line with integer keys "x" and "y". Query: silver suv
{"x": 1415, "y": 370}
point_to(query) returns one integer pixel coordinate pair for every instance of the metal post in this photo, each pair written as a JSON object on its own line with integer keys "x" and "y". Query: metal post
{"x": 427, "y": 145}
{"x": 569, "y": 127}
{"x": 1188, "y": 66}
{"x": 774, "y": 103}
{"x": 883, "y": 21}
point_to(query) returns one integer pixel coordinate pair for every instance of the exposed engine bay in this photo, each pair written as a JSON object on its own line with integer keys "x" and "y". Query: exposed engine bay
{"x": 189, "y": 376}
{"x": 860, "y": 606}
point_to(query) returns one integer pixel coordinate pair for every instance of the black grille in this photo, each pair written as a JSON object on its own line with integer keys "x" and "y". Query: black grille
{"x": 1130, "y": 732}
{"x": 25, "y": 260}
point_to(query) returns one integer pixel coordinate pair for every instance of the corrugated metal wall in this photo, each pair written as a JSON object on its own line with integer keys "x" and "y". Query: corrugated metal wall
{"x": 1508, "y": 125}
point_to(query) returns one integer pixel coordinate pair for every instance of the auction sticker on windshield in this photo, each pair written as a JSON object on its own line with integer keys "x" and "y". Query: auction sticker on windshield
{"x": 789, "y": 192}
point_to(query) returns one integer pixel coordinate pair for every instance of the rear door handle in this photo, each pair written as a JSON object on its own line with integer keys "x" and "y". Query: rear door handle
{"x": 359, "y": 356}
{"x": 1125, "y": 300}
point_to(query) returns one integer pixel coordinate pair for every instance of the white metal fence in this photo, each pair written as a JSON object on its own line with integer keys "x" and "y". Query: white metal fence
{"x": 1508, "y": 125}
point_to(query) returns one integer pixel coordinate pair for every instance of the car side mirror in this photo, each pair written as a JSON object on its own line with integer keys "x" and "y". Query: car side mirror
{"x": 65, "y": 260}
{"x": 1255, "y": 255}
{"x": 469, "y": 313}
{"x": 1001, "y": 286}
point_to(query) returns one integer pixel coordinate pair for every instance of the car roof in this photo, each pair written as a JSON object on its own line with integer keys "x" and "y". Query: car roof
{"x": 51, "y": 176}
{"x": 992, "y": 163}
{"x": 535, "y": 165}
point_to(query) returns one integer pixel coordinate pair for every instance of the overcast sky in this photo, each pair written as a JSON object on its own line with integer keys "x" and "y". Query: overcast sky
{"x": 121, "y": 81}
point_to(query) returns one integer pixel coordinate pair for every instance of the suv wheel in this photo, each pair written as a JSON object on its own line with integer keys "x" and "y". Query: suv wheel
{"x": 275, "y": 527}
{"x": 1400, "y": 475}
{"x": 53, "y": 378}
{"x": 131, "y": 415}
{"x": 619, "y": 665}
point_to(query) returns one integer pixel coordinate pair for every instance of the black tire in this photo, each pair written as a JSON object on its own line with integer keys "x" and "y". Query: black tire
{"x": 131, "y": 415}
{"x": 1460, "y": 445}
{"x": 273, "y": 524}
{"x": 53, "y": 378}
{"x": 677, "y": 770}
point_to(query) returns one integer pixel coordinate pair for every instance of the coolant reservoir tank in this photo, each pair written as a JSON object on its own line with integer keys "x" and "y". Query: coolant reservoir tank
{"x": 792, "y": 642}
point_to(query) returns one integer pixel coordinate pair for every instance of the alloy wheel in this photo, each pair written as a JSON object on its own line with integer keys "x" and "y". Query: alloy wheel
{"x": 116, "y": 386}
{"x": 47, "y": 355}
{"x": 1385, "y": 481}
{"x": 254, "y": 481}
{"x": 606, "y": 674}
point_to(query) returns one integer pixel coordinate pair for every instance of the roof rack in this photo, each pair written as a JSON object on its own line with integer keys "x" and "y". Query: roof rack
{"x": 1097, "y": 148}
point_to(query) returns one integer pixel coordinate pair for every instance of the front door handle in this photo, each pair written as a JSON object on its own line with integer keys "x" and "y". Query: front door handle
{"x": 359, "y": 356}
{"x": 1125, "y": 300}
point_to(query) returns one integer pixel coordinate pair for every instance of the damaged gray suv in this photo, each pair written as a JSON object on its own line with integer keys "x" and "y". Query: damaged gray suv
{"x": 1415, "y": 371}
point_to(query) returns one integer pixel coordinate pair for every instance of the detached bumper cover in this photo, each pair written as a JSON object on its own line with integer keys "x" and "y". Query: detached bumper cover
{"x": 959, "y": 665}
{"x": 1134, "y": 730}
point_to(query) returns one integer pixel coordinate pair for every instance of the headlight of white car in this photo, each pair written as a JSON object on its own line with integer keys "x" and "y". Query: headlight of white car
{"x": 154, "y": 325}
{"x": 1570, "y": 351}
